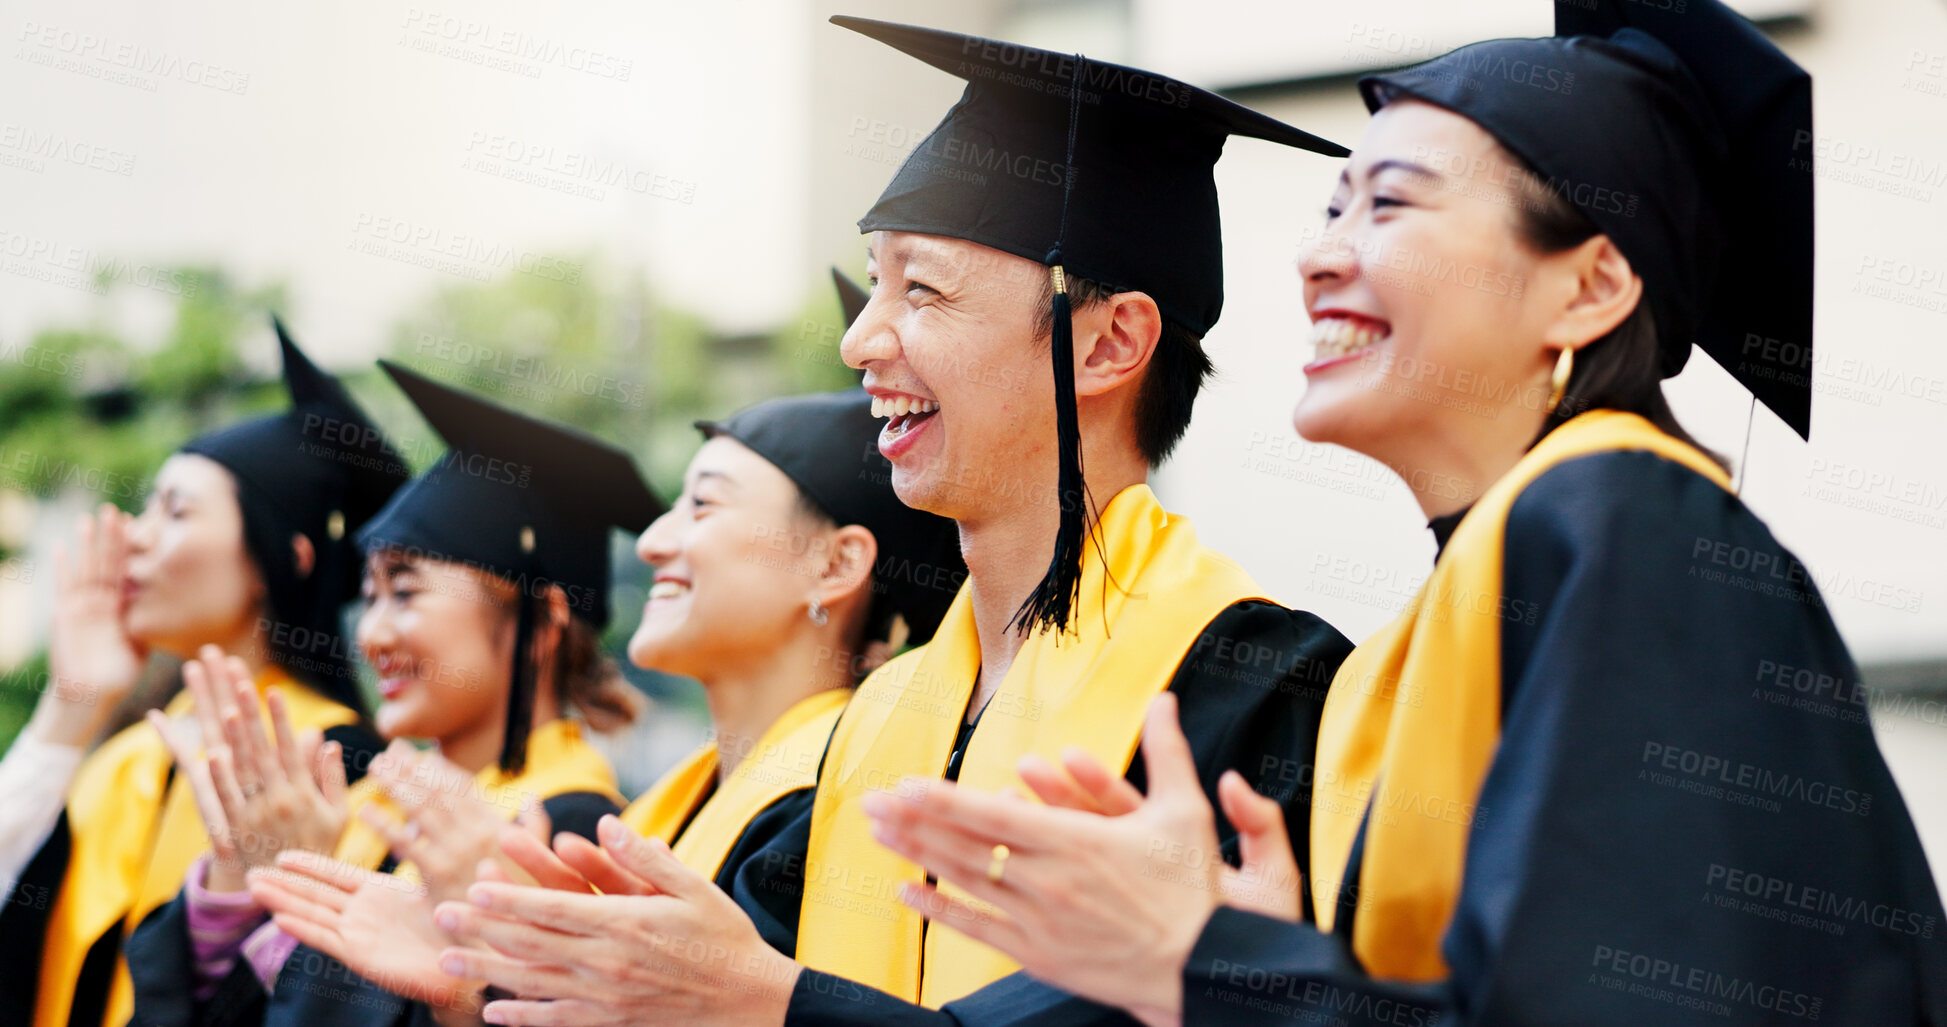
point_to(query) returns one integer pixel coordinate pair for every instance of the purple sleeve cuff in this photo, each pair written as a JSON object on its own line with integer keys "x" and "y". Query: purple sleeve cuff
{"x": 218, "y": 924}
{"x": 267, "y": 948}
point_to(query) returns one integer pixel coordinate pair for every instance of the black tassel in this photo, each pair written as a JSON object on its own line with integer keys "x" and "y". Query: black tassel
{"x": 1052, "y": 603}
{"x": 520, "y": 690}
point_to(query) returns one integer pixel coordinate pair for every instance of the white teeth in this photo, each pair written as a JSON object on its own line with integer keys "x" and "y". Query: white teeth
{"x": 1336, "y": 337}
{"x": 900, "y": 406}
{"x": 667, "y": 589}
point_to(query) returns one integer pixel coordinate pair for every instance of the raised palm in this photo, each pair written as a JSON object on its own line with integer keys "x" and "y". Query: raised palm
{"x": 389, "y": 938}
{"x": 90, "y": 654}
{"x": 92, "y": 661}
{"x": 379, "y": 926}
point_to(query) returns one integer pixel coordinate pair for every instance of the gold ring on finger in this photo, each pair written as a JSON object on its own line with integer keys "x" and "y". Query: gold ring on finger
{"x": 997, "y": 865}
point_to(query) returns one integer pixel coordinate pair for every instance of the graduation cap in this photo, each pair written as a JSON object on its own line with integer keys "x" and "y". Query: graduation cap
{"x": 1684, "y": 135}
{"x": 827, "y": 444}
{"x": 852, "y": 296}
{"x": 320, "y": 469}
{"x": 524, "y": 500}
{"x": 322, "y": 464}
{"x": 1100, "y": 171}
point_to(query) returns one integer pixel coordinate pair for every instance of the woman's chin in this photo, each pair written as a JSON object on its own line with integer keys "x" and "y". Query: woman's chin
{"x": 400, "y": 720}
{"x": 150, "y": 631}
{"x": 655, "y": 647}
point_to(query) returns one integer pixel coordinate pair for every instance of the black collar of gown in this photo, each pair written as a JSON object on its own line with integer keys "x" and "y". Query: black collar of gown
{"x": 1443, "y": 527}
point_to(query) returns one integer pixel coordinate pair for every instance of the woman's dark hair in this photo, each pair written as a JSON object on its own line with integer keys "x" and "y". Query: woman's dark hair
{"x": 585, "y": 678}
{"x": 1621, "y": 370}
{"x": 588, "y": 679}
{"x": 303, "y": 614}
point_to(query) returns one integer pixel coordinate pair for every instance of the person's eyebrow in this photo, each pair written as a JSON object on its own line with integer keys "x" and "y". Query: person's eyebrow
{"x": 939, "y": 266}
{"x": 926, "y": 259}
{"x": 1419, "y": 171}
{"x": 396, "y": 566}
{"x": 702, "y": 476}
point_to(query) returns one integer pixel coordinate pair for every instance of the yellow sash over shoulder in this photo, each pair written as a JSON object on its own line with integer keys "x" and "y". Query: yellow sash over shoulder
{"x": 1155, "y": 593}
{"x": 1414, "y": 716}
{"x": 559, "y": 762}
{"x": 784, "y": 761}
{"x": 131, "y": 846}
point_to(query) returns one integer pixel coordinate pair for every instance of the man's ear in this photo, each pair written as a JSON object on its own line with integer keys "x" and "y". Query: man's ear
{"x": 1606, "y": 291}
{"x": 1114, "y": 341}
{"x": 304, "y": 555}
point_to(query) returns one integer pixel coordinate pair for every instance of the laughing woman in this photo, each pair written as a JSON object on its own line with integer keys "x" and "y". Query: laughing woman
{"x": 785, "y": 572}
{"x": 1567, "y": 784}
{"x": 244, "y": 543}
{"x": 486, "y": 589}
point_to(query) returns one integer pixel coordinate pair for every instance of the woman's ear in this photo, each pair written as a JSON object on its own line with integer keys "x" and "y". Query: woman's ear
{"x": 1607, "y": 291}
{"x": 558, "y": 609}
{"x": 848, "y": 566}
{"x": 304, "y": 555}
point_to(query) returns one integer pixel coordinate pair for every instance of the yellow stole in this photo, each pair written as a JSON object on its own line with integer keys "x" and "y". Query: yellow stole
{"x": 785, "y": 761}
{"x": 559, "y": 762}
{"x": 1414, "y": 716}
{"x": 1156, "y": 592}
{"x": 131, "y": 846}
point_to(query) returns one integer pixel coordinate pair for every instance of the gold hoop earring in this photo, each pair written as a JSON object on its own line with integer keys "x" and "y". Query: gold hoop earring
{"x": 1564, "y": 367}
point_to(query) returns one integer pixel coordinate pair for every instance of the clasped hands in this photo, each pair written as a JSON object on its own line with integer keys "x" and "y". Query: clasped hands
{"x": 1098, "y": 879}
{"x": 613, "y": 933}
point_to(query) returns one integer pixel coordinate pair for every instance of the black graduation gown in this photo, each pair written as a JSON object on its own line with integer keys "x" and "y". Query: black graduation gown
{"x": 1249, "y": 694}
{"x": 1616, "y": 876}
{"x": 23, "y": 920}
{"x": 312, "y": 989}
{"x": 767, "y": 834}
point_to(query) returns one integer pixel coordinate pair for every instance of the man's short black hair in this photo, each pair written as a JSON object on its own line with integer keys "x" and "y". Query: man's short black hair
{"x": 1176, "y": 373}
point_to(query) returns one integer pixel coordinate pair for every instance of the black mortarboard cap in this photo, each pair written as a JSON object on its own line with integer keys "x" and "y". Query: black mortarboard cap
{"x": 322, "y": 464}
{"x": 519, "y": 498}
{"x": 1110, "y": 182}
{"x": 321, "y": 469}
{"x": 1685, "y": 136}
{"x": 1129, "y": 201}
{"x": 827, "y": 444}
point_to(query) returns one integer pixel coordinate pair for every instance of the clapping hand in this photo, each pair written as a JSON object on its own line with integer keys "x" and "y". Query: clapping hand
{"x": 259, "y": 791}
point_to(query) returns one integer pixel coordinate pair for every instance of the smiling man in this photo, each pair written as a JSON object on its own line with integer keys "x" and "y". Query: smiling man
{"x": 1044, "y": 267}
